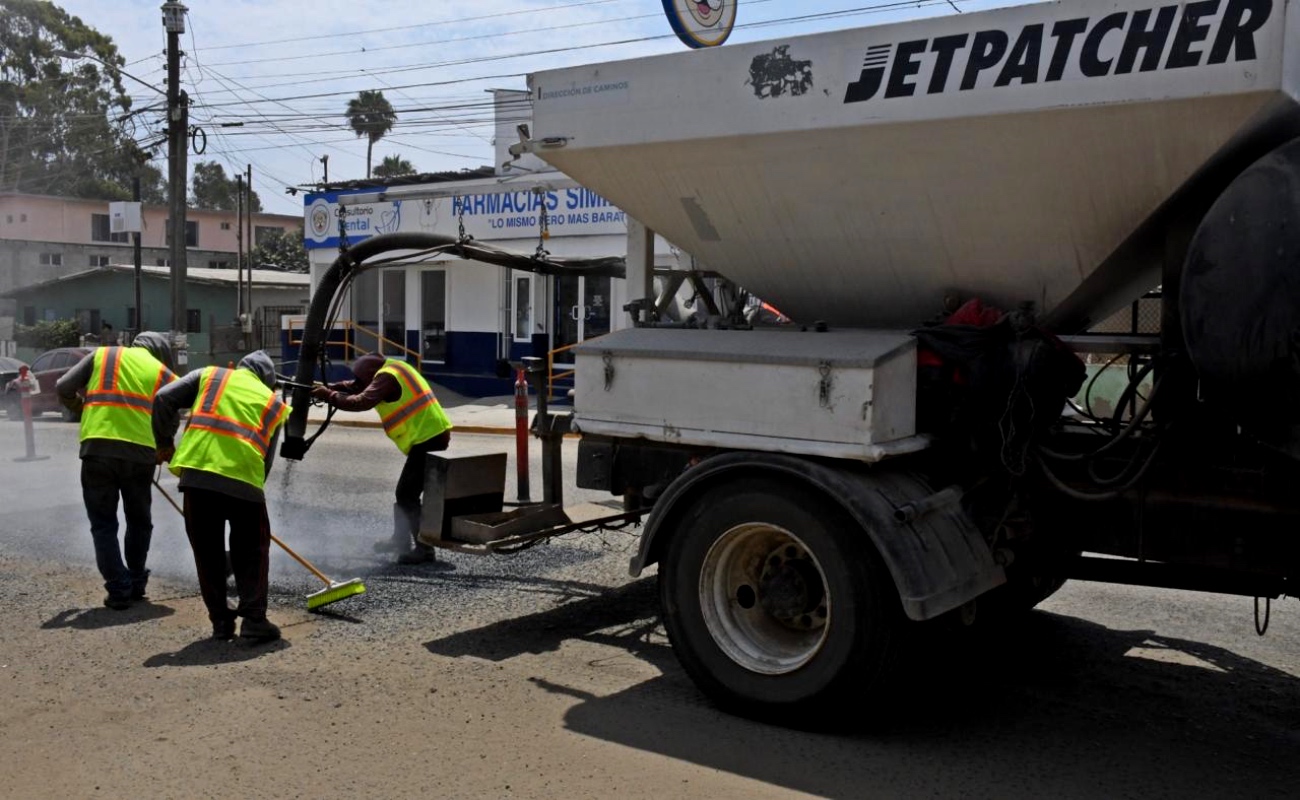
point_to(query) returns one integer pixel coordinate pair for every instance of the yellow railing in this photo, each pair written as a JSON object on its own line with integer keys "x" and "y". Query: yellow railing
{"x": 351, "y": 349}
{"x": 551, "y": 375}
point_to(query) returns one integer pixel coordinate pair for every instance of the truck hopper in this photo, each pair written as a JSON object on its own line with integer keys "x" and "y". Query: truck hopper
{"x": 1030, "y": 154}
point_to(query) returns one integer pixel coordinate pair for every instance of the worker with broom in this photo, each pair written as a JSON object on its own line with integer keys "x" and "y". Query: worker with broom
{"x": 414, "y": 420}
{"x": 117, "y": 454}
{"x": 224, "y": 457}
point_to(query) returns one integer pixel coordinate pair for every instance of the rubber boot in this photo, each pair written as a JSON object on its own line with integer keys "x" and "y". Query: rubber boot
{"x": 407, "y": 519}
{"x": 400, "y": 541}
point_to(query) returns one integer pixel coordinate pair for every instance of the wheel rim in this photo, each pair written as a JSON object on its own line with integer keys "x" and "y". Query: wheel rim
{"x": 764, "y": 598}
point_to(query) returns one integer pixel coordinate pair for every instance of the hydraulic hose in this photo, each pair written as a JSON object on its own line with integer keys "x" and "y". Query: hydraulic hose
{"x": 314, "y": 336}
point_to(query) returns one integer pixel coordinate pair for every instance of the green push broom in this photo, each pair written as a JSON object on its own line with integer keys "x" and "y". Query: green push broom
{"x": 332, "y": 593}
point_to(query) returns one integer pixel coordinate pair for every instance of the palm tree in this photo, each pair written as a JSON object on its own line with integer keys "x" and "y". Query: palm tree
{"x": 370, "y": 115}
{"x": 393, "y": 166}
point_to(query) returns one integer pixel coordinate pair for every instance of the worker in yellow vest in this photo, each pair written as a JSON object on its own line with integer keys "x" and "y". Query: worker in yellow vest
{"x": 117, "y": 454}
{"x": 223, "y": 459}
{"x": 414, "y": 420}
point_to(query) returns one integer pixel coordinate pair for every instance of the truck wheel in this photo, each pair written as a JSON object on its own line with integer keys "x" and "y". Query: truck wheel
{"x": 778, "y": 606}
{"x": 13, "y": 408}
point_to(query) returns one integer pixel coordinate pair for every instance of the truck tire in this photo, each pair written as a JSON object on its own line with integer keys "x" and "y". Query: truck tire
{"x": 779, "y": 607}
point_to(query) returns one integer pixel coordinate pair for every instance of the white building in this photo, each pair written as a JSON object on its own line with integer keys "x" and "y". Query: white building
{"x": 462, "y": 317}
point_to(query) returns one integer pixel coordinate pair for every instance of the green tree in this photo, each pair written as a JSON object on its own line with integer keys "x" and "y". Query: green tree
{"x": 66, "y": 131}
{"x": 369, "y": 114}
{"x": 210, "y": 188}
{"x": 393, "y": 167}
{"x": 47, "y": 335}
{"x": 283, "y": 250}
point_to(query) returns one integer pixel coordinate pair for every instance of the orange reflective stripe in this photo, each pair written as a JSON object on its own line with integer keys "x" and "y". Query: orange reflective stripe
{"x": 112, "y": 360}
{"x": 405, "y": 412}
{"x": 421, "y": 398}
{"x": 162, "y": 379}
{"x": 224, "y": 427}
{"x": 129, "y": 400}
{"x": 230, "y": 427}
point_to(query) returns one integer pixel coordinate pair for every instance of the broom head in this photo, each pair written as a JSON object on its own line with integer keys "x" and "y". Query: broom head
{"x": 334, "y": 593}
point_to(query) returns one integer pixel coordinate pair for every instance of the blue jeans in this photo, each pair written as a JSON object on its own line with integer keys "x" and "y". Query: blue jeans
{"x": 103, "y": 480}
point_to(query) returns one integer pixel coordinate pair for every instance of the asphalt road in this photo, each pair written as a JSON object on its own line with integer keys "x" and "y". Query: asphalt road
{"x": 1104, "y": 692}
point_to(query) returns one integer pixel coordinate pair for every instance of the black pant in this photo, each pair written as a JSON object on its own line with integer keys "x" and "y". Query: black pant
{"x": 103, "y": 480}
{"x": 206, "y": 515}
{"x": 411, "y": 483}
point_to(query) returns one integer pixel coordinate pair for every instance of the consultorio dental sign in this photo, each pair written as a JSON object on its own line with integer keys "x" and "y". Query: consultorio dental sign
{"x": 491, "y": 216}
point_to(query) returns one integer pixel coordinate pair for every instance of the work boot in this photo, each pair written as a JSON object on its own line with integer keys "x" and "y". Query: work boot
{"x": 117, "y": 602}
{"x": 259, "y": 630}
{"x": 223, "y": 630}
{"x": 406, "y": 529}
{"x": 419, "y": 554}
{"x": 138, "y": 587}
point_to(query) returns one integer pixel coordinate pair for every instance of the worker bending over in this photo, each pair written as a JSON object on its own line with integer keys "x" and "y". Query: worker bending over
{"x": 223, "y": 460}
{"x": 414, "y": 420}
{"x": 117, "y": 453}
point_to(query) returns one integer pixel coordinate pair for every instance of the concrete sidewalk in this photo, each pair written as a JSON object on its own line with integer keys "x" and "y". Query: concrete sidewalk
{"x": 467, "y": 414}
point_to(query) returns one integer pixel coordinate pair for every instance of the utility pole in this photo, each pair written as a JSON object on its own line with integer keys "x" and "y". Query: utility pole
{"x": 247, "y": 320}
{"x": 178, "y": 124}
{"x": 135, "y": 242}
{"x": 239, "y": 239}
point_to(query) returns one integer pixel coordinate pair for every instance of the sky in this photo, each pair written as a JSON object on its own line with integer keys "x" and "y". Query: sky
{"x": 287, "y": 68}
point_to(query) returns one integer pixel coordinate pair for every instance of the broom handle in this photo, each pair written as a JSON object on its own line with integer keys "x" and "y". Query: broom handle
{"x": 274, "y": 538}
{"x": 301, "y": 560}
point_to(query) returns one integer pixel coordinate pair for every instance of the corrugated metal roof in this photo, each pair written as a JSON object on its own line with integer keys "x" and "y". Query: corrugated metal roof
{"x": 261, "y": 278}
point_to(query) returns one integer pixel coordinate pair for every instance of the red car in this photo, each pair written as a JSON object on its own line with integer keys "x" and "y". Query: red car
{"x": 48, "y": 368}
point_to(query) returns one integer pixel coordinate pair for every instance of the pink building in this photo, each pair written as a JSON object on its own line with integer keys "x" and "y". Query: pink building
{"x": 44, "y": 237}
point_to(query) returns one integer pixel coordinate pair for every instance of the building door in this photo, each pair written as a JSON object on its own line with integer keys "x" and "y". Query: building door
{"x": 392, "y": 300}
{"x": 582, "y": 311}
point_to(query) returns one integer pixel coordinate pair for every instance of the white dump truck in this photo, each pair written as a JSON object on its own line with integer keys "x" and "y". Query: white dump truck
{"x": 947, "y": 209}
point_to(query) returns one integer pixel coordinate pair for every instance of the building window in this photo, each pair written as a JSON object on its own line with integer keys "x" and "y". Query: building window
{"x": 10, "y": 219}
{"x": 523, "y": 302}
{"x": 162, "y": 262}
{"x": 193, "y": 317}
{"x": 191, "y": 233}
{"x": 225, "y": 226}
{"x": 433, "y": 314}
{"x": 263, "y": 232}
{"x": 88, "y": 320}
{"x": 22, "y": 217}
{"x": 29, "y": 315}
{"x": 218, "y": 265}
{"x": 99, "y": 261}
{"x": 101, "y": 230}
{"x": 51, "y": 259}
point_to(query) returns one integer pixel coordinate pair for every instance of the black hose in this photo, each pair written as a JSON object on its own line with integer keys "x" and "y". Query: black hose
{"x": 344, "y": 268}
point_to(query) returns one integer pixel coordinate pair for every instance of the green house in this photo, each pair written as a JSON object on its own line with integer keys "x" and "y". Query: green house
{"x": 102, "y": 300}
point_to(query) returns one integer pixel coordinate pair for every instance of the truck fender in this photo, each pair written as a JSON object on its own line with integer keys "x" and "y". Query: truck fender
{"x": 938, "y": 560}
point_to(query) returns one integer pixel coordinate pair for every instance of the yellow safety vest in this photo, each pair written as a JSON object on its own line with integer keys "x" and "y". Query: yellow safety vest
{"x": 414, "y": 417}
{"x": 231, "y": 426}
{"x": 119, "y": 396}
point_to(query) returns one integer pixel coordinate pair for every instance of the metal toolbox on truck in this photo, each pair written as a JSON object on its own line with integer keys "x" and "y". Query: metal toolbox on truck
{"x": 839, "y": 393}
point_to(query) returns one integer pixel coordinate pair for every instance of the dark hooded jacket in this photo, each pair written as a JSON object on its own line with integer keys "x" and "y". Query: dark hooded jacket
{"x": 78, "y": 378}
{"x": 180, "y": 396}
{"x": 368, "y": 389}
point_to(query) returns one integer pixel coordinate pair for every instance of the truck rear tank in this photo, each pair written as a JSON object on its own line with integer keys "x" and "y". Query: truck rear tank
{"x": 1031, "y": 154}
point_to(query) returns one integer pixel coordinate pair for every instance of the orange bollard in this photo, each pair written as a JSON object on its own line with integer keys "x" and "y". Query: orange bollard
{"x": 27, "y": 386}
{"x": 521, "y": 437}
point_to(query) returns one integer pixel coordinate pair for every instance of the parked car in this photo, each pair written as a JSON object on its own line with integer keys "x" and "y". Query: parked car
{"x": 48, "y": 367}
